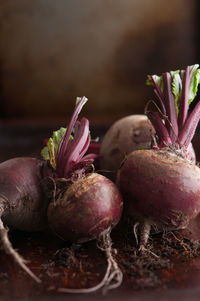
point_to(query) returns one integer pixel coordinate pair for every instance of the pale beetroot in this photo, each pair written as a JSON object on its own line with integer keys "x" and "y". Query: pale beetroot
{"x": 85, "y": 205}
{"x": 161, "y": 187}
{"x": 23, "y": 205}
{"x": 124, "y": 136}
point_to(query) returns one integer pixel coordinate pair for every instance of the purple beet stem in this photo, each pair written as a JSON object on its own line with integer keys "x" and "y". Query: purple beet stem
{"x": 159, "y": 94}
{"x": 190, "y": 126}
{"x": 64, "y": 142}
{"x": 71, "y": 152}
{"x": 169, "y": 101}
{"x": 161, "y": 130}
{"x": 184, "y": 99}
{"x": 179, "y": 131}
{"x": 79, "y": 145}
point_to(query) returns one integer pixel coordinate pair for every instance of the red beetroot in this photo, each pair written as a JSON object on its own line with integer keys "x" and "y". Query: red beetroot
{"x": 22, "y": 202}
{"x": 85, "y": 205}
{"x": 161, "y": 187}
{"x": 86, "y": 209}
{"x": 165, "y": 188}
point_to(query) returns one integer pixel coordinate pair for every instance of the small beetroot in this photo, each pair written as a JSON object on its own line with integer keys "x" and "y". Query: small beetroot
{"x": 85, "y": 205}
{"x": 88, "y": 207}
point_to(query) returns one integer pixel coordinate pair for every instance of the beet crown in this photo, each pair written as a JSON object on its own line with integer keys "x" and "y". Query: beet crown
{"x": 66, "y": 150}
{"x": 175, "y": 90}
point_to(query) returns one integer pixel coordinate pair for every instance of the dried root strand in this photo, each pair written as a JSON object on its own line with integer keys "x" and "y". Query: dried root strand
{"x": 8, "y": 248}
{"x": 113, "y": 276}
{"x": 135, "y": 232}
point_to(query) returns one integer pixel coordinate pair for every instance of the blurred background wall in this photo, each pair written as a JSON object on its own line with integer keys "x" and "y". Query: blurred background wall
{"x": 52, "y": 51}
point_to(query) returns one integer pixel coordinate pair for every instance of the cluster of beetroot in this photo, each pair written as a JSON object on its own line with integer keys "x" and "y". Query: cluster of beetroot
{"x": 161, "y": 185}
{"x": 64, "y": 193}
{"x": 153, "y": 162}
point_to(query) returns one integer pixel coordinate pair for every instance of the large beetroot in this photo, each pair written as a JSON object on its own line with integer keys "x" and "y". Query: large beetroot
{"x": 85, "y": 205}
{"x": 161, "y": 187}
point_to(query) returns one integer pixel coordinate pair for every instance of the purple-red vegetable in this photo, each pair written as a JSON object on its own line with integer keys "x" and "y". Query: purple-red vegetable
{"x": 161, "y": 187}
{"x": 22, "y": 202}
{"x": 85, "y": 205}
{"x": 124, "y": 136}
{"x": 88, "y": 207}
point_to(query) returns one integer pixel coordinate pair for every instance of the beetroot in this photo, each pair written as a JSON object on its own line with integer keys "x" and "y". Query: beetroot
{"x": 124, "y": 136}
{"x": 87, "y": 208}
{"x": 161, "y": 187}
{"x": 22, "y": 202}
{"x": 165, "y": 190}
{"x": 85, "y": 205}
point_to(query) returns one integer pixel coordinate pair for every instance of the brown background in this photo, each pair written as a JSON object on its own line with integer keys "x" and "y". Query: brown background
{"x": 52, "y": 51}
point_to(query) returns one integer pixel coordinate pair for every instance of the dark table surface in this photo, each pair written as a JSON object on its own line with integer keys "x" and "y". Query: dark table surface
{"x": 175, "y": 275}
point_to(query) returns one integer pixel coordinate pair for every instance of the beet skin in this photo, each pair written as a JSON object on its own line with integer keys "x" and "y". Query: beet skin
{"x": 87, "y": 208}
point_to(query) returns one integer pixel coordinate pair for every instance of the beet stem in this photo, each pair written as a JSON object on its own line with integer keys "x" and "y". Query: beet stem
{"x": 161, "y": 129}
{"x": 159, "y": 94}
{"x": 189, "y": 127}
{"x": 113, "y": 272}
{"x": 65, "y": 140}
{"x": 7, "y": 246}
{"x": 172, "y": 125}
{"x": 183, "y": 112}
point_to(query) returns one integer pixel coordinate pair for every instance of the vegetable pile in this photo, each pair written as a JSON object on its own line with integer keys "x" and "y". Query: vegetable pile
{"x": 157, "y": 177}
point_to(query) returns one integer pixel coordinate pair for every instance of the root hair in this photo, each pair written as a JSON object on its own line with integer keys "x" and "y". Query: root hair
{"x": 113, "y": 276}
{"x": 8, "y": 248}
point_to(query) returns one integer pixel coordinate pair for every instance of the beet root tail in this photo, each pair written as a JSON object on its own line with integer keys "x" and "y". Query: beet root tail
{"x": 144, "y": 233}
{"x": 113, "y": 276}
{"x": 8, "y": 248}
